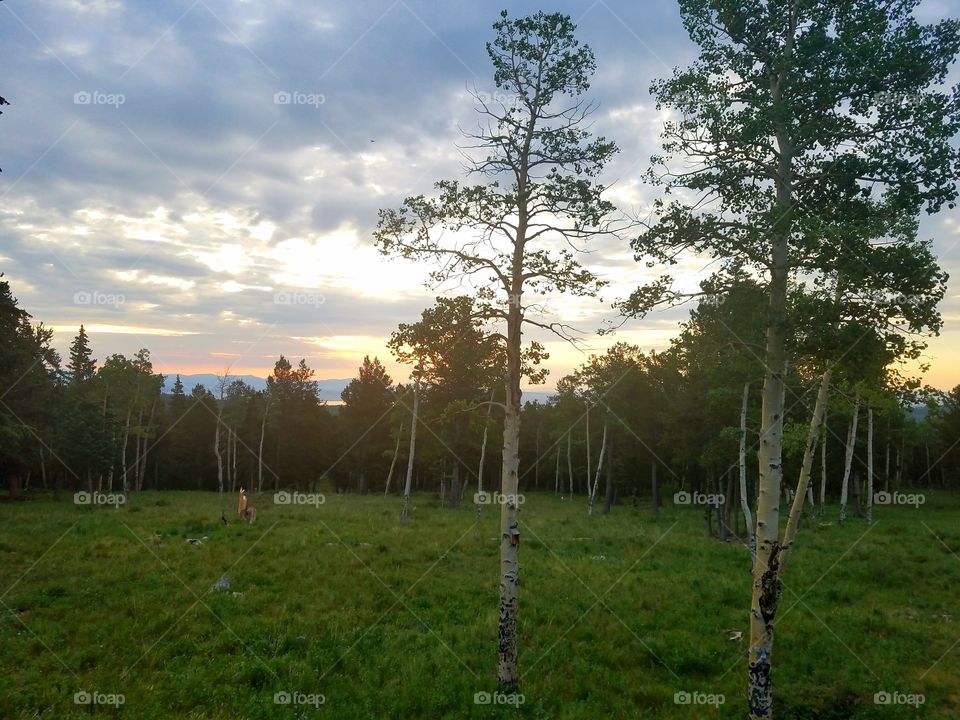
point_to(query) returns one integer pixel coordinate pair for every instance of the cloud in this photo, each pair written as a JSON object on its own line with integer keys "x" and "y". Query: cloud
{"x": 184, "y": 185}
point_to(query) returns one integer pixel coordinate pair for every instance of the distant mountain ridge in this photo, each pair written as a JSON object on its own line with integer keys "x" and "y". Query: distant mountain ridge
{"x": 329, "y": 390}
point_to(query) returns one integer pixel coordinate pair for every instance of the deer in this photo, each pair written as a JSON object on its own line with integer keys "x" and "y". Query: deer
{"x": 248, "y": 513}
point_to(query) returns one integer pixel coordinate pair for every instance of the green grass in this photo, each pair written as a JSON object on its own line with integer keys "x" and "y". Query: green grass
{"x": 617, "y": 613}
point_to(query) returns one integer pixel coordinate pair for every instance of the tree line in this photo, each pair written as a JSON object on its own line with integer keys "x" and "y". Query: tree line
{"x": 641, "y": 424}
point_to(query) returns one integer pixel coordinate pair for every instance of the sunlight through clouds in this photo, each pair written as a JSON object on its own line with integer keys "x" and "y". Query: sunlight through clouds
{"x": 207, "y": 196}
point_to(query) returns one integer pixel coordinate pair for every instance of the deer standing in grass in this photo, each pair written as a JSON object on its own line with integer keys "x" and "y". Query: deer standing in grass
{"x": 246, "y": 513}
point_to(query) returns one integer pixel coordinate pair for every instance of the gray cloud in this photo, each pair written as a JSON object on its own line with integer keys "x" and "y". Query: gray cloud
{"x": 199, "y": 134}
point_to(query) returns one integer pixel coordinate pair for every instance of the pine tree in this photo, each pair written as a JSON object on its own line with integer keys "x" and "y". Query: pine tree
{"x": 367, "y": 401}
{"x": 82, "y": 367}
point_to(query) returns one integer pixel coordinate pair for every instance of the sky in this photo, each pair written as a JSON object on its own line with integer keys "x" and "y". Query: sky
{"x": 202, "y": 177}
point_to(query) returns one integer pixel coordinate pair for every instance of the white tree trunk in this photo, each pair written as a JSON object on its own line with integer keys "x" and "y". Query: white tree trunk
{"x": 146, "y": 450}
{"x": 611, "y": 490}
{"x": 744, "y": 499}
{"x": 483, "y": 459}
{"x": 222, "y": 382}
{"x": 823, "y": 466}
{"x": 263, "y": 427}
{"x": 766, "y": 590}
{"x": 123, "y": 452}
{"x": 405, "y": 508}
{"x": 216, "y": 450}
{"x": 589, "y": 459}
{"x": 596, "y": 480}
{"x": 556, "y": 474}
{"x": 886, "y": 463}
{"x": 508, "y": 673}
{"x": 228, "y": 485}
{"x": 796, "y": 510}
{"x": 848, "y": 460}
{"x": 143, "y": 461}
{"x": 393, "y": 463}
{"x": 231, "y": 458}
{"x": 569, "y": 463}
{"x": 135, "y": 469}
{"x": 136, "y": 450}
{"x": 869, "y": 466}
{"x": 654, "y": 487}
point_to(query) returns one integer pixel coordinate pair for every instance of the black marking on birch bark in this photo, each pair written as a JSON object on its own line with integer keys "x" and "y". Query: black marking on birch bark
{"x": 760, "y": 680}
{"x": 760, "y": 699}
{"x": 507, "y": 643}
{"x": 770, "y": 586}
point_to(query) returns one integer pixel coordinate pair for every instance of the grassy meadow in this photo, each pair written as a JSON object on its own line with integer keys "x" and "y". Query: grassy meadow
{"x": 345, "y": 613}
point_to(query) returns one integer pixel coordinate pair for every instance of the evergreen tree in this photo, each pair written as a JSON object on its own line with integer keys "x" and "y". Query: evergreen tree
{"x": 82, "y": 366}
{"x": 367, "y": 402}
